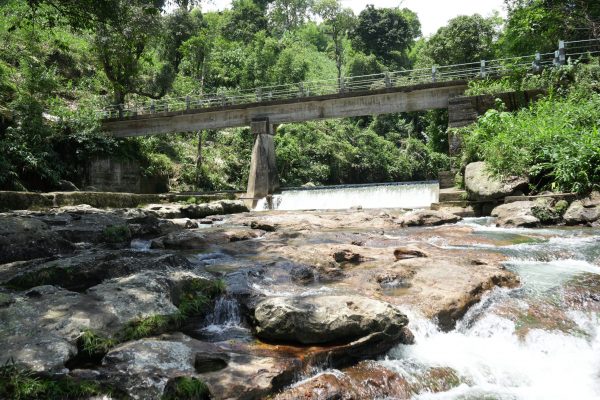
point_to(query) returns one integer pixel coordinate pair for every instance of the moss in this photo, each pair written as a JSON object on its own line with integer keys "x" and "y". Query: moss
{"x": 195, "y": 300}
{"x": 191, "y": 200}
{"x": 150, "y": 326}
{"x": 19, "y": 383}
{"x": 116, "y": 234}
{"x": 561, "y": 207}
{"x": 186, "y": 388}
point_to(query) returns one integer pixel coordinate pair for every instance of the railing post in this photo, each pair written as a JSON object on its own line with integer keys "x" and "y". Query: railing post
{"x": 152, "y": 107}
{"x": 259, "y": 94}
{"x": 342, "y": 85}
{"x": 120, "y": 107}
{"x": 187, "y": 102}
{"x": 301, "y": 85}
{"x": 482, "y": 71}
{"x": 387, "y": 80}
{"x": 223, "y": 100}
{"x": 556, "y": 59}
{"x": 562, "y": 53}
{"x": 537, "y": 63}
{"x": 434, "y": 74}
{"x": 166, "y": 106}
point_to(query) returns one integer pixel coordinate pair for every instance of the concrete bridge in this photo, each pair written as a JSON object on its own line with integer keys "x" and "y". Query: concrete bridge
{"x": 265, "y": 108}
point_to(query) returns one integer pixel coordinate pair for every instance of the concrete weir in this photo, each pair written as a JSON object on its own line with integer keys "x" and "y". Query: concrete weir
{"x": 263, "y": 179}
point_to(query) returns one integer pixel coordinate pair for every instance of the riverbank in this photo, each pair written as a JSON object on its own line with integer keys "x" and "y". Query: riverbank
{"x": 133, "y": 300}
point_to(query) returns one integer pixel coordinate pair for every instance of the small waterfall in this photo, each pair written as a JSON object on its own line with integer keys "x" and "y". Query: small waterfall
{"x": 392, "y": 195}
{"x": 226, "y": 322}
{"x": 226, "y": 313}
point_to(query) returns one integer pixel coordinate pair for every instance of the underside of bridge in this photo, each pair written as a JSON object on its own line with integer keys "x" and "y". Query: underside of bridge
{"x": 263, "y": 119}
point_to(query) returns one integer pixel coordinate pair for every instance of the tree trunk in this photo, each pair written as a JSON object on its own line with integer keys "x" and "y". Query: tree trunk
{"x": 199, "y": 161}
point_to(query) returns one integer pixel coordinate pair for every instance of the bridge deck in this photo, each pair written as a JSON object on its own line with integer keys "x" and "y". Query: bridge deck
{"x": 368, "y": 102}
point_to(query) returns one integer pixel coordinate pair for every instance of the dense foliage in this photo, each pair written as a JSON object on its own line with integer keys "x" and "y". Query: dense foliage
{"x": 60, "y": 60}
{"x": 556, "y": 141}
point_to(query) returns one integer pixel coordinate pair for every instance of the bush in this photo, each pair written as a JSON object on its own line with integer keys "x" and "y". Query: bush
{"x": 556, "y": 142}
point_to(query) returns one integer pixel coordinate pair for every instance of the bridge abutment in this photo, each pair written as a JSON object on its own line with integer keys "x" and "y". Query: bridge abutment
{"x": 263, "y": 179}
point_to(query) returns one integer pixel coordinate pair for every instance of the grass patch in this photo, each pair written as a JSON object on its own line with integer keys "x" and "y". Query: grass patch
{"x": 116, "y": 234}
{"x": 20, "y": 383}
{"x": 186, "y": 388}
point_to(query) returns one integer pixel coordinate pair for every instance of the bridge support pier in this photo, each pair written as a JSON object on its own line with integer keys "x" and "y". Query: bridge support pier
{"x": 263, "y": 179}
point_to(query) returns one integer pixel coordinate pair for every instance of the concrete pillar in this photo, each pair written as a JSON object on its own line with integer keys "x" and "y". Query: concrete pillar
{"x": 263, "y": 179}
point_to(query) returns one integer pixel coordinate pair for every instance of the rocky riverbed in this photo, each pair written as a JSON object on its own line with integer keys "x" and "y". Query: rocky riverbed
{"x": 181, "y": 300}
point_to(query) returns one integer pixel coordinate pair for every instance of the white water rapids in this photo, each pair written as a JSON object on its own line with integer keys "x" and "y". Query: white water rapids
{"x": 486, "y": 350}
{"x": 397, "y": 195}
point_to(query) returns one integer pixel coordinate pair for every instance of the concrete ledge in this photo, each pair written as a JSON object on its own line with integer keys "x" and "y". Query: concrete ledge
{"x": 557, "y": 196}
{"x": 28, "y": 200}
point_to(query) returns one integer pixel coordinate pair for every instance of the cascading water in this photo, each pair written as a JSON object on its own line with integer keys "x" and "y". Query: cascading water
{"x": 225, "y": 322}
{"x": 529, "y": 343}
{"x": 393, "y": 195}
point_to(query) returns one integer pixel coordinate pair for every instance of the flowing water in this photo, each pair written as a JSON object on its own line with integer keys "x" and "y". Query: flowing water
{"x": 394, "y": 195}
{"x": 540, "y": 341}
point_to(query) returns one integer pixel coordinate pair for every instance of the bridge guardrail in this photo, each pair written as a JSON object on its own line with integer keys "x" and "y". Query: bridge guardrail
{"x": 480, "y": 69}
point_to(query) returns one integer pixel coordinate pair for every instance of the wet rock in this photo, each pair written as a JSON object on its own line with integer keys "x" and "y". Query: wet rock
{"x": 40, "y": 329}
{"x": 516, "y": 214}
{"x": 26, "y": 238}
{"x": 427, "y": 218}
{"x": 366, "y": 381}
{"x": 347, "y": 256}
{"x": 585, "y": 211}
{"x": 185, "y": 223}
{"x": 263, "y": 226}
{"x": 206, "y": 221}
{"x": 302, "y": 274}
{"x": 393, "y": 280}
{"x": 404, "y": 253}
{"x": 181, "y": 241}
{"x": 199, "y": 211}
{"x": 87, "y": 269}
{"x": 143, "y": 368}
{"x": 326, "y": 319}
{"x": 482, "y": 186}
{"x": 167, "y": 211}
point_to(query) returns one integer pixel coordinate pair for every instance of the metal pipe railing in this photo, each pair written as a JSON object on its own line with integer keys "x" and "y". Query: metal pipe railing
{"x": 480, "y": 69}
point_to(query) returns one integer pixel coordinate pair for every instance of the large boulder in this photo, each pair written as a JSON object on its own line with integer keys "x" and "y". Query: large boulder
{"x": 585, "y": 211}
{"x": 326, "y": 319}
{"x": 517, "y": 214}
{"x": 25, "y": 238}
{"x": 427, "y": 218}
{"x": 482, "y": 186}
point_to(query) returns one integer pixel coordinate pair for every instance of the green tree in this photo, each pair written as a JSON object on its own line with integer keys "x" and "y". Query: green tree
{"x": 289, "y": 14}
{"x": 464, "y": 39}
{"x": 121, "y": 45}
{"x": 388, "y": 33}
{"x": 338, "y": 21}
{"x": 245, "y": 20}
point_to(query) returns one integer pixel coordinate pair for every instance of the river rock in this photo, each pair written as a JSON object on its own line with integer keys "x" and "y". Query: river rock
{"x": 87, "y": 268}
{"x": 366, "y": 381}
{"x": 326, "y": 319}
{"x": 482, "y": 186}
{"x": 199, "y": 211}
{"x": 516, "y": 214}
{"x": 403, "y": 253}
{"x": 143, "y": 368}
{"x": 166, "y": 211}
{"x": 40, "y": 329}
{"x": 585, "y": 211}
{"x": 26, "y": 238}
{"x": 427, "y": 218}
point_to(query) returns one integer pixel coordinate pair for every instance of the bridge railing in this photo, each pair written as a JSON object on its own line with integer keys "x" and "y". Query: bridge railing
{"x": 580, "y": 49}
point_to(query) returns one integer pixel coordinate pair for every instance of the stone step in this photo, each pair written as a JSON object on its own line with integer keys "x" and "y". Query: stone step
{"x": 452, "y": 194}
{"x": 460, "y": 208}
